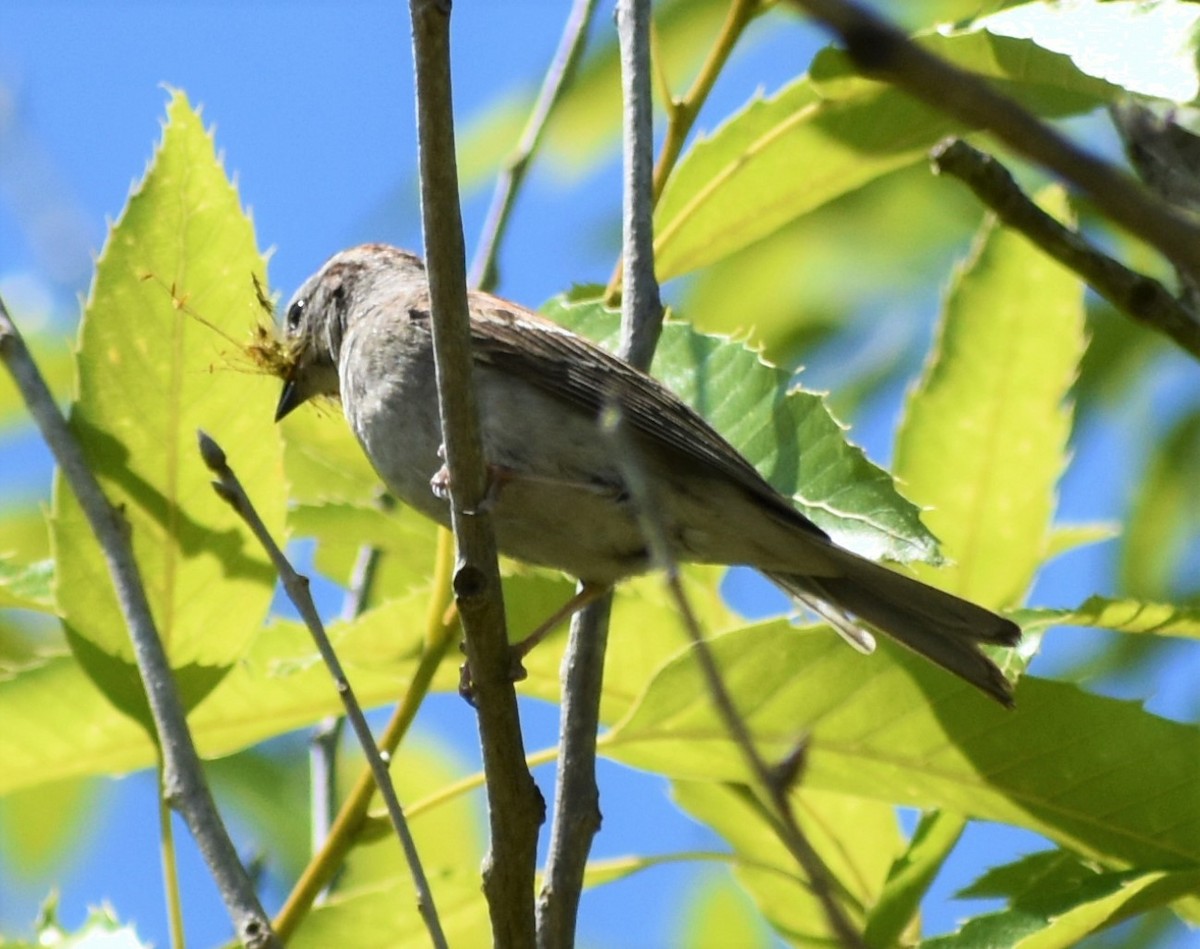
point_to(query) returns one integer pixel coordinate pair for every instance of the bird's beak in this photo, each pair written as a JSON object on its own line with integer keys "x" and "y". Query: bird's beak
{"x": 290, "y": 398}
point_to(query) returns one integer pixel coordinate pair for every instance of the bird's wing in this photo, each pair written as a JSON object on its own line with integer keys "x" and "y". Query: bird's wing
{"x": 589, "y": 377}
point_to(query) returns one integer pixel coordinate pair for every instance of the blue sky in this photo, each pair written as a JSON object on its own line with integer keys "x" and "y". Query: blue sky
{"x": 313, "y": 110}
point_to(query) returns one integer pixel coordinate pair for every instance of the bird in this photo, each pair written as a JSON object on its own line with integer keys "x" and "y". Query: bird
{"x": 359, "y": 330}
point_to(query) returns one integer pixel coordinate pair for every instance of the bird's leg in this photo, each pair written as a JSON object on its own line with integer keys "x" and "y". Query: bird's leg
{"x": 497, "y": 477}
{"x": 588, "y": 593}
{"x": 500, "y": 475}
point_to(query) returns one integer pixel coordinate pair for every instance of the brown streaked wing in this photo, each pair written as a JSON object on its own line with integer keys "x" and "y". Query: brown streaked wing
{"x": 584, "y": 374}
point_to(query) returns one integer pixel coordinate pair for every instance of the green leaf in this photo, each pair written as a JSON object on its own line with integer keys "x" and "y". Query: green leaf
{"x": 1061, "y": 901}
{"x": 1122, "y": 616}
{"x": 855, "y": 838}
{"x": 719, "y": 915}
{"x": 896, "y": 913}
{"x": 386, "y": 912}
{"x": 40, "y": 825}
{"x": 984, "y": 437}
{"x": 405, "y": 541}
{"x": 788, "y": 434}
{"x": 58, "y": 725}
{"x": 586, "y": 126}
{"x": 795, "y": 287}
{"x": 829, "y": 133}
{"x": 891, "y": 727}
{"x": 324, "y": 462}
{"x": 1165, "y": 516}
{"x": 450, "y": 836}
{"x": 1146, "y": 48}
{"x": 1067, "y": 537}
{"x": 150, "y": 374}
{"x": 27, "y": 586}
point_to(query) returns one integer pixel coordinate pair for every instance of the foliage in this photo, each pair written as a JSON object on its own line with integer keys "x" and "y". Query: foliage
{"x": 982, "y": 442}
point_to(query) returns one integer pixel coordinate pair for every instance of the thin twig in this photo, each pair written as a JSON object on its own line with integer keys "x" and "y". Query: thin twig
{"x": 883, "y": 52}
{"x": 515, "y": 806}
{"x": 323, "y": 742}
{"x": 776, "y": 781}
{"x": 229, "y": 489}
{"x": 558, "y": 77}
{"x": 576, "y": 806}
{"x": 441, "y": 629}
{"x": 182, "y": 775}
{"x": 682, "y": 113}
{"x": 1141, "y": 297}
{"x": 641, "y": 308}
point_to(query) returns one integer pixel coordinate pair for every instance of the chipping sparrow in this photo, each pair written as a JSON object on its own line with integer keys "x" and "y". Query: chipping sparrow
{"x": 360, "y": 329}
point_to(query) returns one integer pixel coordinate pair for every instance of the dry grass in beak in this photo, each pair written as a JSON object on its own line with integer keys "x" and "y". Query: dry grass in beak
{"x": 266, "y": 352}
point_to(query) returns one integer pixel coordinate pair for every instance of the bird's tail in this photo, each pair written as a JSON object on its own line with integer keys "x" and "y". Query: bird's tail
{"x": 940, "y": 626}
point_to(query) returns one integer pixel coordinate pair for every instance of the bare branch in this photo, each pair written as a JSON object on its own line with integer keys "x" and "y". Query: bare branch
{"x": 182, "y": 775}
{"x": 682, "y": 113}
{"x": 515, "y": 806}
{"x": 576, "y": 807}
{"x": 1141, "y": 297}
{"x": 323, "y": 742}
{"x": 441, "y": 630}
{"x": 883, "y": 52}
{"x": 230, "y": 490}
{"x": 558, "y": 77}
{"x": 776, "y": 781}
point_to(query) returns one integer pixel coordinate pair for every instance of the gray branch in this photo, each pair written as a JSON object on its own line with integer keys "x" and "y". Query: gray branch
{"x": 183, "y": 780}
{"x": 515, "y": 806}
{"x": 576, "y": 808}
{"x": 776, "y": 782}
{"x": 881, "y": 51}
{"x": 1141, "y": 297}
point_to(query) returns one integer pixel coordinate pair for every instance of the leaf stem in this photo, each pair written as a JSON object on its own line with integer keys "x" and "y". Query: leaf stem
{"x": 170, "y": 868}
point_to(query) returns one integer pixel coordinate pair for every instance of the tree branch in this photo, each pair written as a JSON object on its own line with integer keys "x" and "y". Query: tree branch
{"x": 182, "y": 775}
{"x": 576, "y": 807}
{"x": 558, "y": 77}
{"x": 775, "y": 782}
{"x": 230, "y": 490}
{"x": 1141, "y": 297}
{"x": 881, "y": 51}
{"x": 682, "y": 113}
{"x": 441, "y": 626}
{"x": 515, "y": 806}
{"x": 323, "y": 741}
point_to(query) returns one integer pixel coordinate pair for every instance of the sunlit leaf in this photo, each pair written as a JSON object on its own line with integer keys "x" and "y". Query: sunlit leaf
{"x": 1122, "y": 616}
{"x": 787, "y": 433}
{"x": 829, "y": 133}
{"x": 27, "y": 586}
{"x": 856, "y": 839}
{"x": 894, "y": 728}
{"x": 151, "y": 374}
{"x": 984, "y": 438}
{"x": 895, "y": 915}
{"x": 719, "y": 915}
{"x": 1165, "y": 516}
{"x": 1147, "y": 48}
{"x": 1060, "y": 900}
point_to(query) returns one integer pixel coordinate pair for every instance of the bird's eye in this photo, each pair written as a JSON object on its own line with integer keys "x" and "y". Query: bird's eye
{"x": 294, "y": 314}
